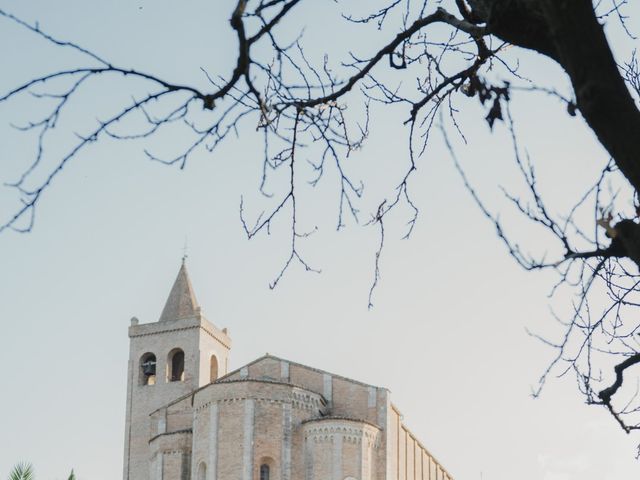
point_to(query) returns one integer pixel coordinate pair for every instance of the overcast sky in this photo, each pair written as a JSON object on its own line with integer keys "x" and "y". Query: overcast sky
{"x": 447, "y": 333}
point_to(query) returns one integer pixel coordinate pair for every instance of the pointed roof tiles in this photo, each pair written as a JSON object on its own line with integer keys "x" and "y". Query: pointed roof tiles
{"x": 182, "y": 301}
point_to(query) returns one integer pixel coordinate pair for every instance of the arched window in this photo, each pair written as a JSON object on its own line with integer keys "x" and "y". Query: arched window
{"x": 148, "y": 369}
{"x": 265, "y": 472}
{"x": 213, "y": 369}
{"x": 175, "y": 365}
{"x": 202, "y": 471}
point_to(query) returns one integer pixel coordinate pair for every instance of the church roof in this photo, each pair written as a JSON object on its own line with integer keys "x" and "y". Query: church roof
{"x": 182, "y": 301}
{"x": 269, "y": 356}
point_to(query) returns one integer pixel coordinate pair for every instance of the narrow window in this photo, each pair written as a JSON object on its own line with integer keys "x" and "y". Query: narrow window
{"x": 264, "y": 472}
{"x": 148, "y": 369}
{"x": 213, "y": 375}
{"x": 175, "y": 365}
{"x": 202, "y": 471}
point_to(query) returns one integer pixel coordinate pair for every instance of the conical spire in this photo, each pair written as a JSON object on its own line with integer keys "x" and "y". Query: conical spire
{"x": 182, "y": 301}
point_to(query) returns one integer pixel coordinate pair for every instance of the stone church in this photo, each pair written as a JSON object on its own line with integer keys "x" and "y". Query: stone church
{"x": 189, "y": 418}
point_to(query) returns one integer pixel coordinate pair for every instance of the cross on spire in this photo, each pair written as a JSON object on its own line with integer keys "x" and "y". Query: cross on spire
{"x": 185, "y": 250}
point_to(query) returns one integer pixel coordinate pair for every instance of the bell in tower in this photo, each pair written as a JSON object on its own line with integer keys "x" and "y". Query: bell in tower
{"x": 148, "y": 366}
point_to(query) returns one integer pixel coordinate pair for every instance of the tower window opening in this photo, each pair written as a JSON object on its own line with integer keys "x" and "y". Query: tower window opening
{"x": 148, "y": 369}
{"x": 213, "y": 369}
{"x": 176, "y": 366}
{"x": 265, "y": 472}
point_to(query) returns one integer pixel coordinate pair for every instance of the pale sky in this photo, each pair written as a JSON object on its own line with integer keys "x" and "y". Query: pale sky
{"x": 447, "y": 334}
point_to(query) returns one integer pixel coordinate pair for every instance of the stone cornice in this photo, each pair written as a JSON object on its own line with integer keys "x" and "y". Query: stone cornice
{"x": 324, "y": 430}
{"x": 158, "y": 328}
{"x": 339, "y": 418}
{"x": 177, "y": 432}
{"x": 298, "y": 397}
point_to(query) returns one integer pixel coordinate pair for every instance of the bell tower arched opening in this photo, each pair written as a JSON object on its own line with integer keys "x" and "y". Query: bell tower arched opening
{"x": 213, "y": 369}
{"x": 175, "y": 365}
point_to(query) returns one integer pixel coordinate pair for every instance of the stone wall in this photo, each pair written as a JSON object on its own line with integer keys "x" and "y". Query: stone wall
{"x": 407, "y": 458}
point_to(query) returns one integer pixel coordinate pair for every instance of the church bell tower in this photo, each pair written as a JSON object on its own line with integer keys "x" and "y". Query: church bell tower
{"x": 168, "y": 359}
